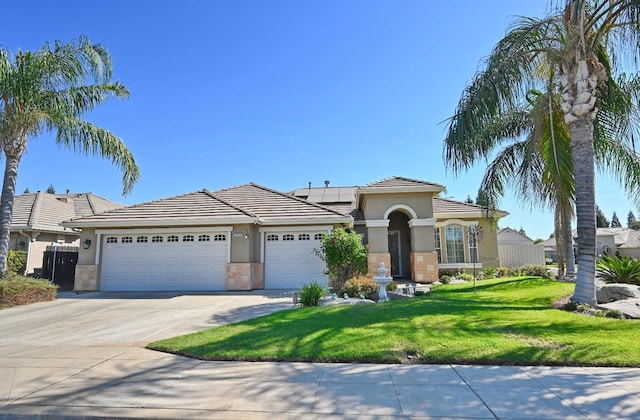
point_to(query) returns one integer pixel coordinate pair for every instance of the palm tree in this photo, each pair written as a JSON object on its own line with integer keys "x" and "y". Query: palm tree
{"x": 50, "y": 90}
{"x": 574, "y": 43}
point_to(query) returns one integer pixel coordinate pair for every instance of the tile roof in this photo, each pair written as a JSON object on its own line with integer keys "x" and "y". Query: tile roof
{"x": 249, "y": 203}
{"x": 44, "y": 212}
{"x": 396, "y": 182}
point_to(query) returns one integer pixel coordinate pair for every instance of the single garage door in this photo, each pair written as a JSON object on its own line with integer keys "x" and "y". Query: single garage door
{"x": 164, "y": 262}
{"x": 289, "y": 261}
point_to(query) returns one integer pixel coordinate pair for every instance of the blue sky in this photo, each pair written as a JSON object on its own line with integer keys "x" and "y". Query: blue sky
{"x": 277, "y": 92}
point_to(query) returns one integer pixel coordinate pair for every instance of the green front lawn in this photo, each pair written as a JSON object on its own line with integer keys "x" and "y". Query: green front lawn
{"x": 509, "y": 321}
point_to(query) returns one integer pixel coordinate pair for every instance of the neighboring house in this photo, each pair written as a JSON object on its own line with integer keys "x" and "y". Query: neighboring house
{"x": 252, "y": 237}
{"x": 36, "y": 222}
{"x": 516, "y": 250}
{"x": 609, "y": 241}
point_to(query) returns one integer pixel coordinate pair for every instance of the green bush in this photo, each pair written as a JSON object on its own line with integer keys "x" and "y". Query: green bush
{"x": 464, "y": 276}
{"x": 445, "y": 279}
{"x": 360, "y": 285}
{"x": 534, "y": 270}
{"x": 345, "y": 255}
{"x": 614, "y": 313}
{"x": 618, "y": 270}
{"x": 391, "y": 286}
{"x": 570, "y": 306}
{"x": 489, "y": 273}
{"x": 419, "y": 293}
{"x": 312, "y": 293}
{"x": 17, "y": 290}
{"x": 17, "y": 261}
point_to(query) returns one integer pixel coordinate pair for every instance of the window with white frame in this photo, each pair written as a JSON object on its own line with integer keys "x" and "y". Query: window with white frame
{"x": 318, "y": 236}
{"x": 188, "y": 238}
{"x": 436, "y": 232}
{"x": 220, "y": 237}
{"x": 172, "y": 238}
{"x": 272, "y": 237}
{"x": 288, "y": 237}
{"x": 112, "y": 240}
{"x": 454, "y": 239}
{"x": 204, "y": 238}
{"x": 304, "y": 237}
{"x": 127, "y": 240}
{"x": 142, "y": 239}
{"x": 157, "y": 239}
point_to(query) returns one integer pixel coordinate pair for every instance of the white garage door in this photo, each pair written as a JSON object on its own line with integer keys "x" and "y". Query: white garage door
{"x": 164, "y": 262}
{"x": 289, "y": 261}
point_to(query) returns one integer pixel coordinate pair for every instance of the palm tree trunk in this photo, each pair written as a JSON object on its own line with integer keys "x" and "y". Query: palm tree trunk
{"x": 13, "y": 152}
{"x": 568, "y": 237}
{"x": 583, "y": 166}
{"x": 558, "y": 233}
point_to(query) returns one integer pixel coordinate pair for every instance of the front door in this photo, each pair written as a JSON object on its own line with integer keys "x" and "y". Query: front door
{"x": 396, "y": 253}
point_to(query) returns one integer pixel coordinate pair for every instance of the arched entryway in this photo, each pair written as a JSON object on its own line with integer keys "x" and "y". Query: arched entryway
{"x": 399, "y": 236}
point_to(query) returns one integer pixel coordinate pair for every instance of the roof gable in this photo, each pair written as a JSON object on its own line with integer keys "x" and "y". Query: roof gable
{"x": 44, "y": 212}
{"x": 398, "y": 183}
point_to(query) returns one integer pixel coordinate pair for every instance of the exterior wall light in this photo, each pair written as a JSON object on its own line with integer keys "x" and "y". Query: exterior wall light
{"x": 86, "y": 243}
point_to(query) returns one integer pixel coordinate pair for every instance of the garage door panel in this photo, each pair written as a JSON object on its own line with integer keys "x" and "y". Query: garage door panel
{"x": 163, "y": 266}
{"x": 289, "y": 264}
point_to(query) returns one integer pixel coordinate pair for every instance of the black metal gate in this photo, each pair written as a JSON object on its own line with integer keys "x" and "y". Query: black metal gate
{"x": 59, "y": 265}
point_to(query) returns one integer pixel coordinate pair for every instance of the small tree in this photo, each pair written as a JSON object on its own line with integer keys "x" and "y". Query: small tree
{"x": 26, "y": 191}
{"x": 615, "y": 222}
{"x": 51, "y": 190}
{"x": 631, "y": 218}
{"x": 345, "y": 255}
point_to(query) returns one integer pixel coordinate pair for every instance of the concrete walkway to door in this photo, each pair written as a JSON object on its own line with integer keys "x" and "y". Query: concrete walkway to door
{"x": 83, "y": 356}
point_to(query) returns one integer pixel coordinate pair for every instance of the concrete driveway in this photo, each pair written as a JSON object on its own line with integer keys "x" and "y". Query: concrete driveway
{"x": 82, "y": 356}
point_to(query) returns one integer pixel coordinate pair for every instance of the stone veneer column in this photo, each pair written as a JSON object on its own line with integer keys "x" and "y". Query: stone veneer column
{"x": 373, "y": 262}
{"x": 424, "y": 267}
{"x": 86, "y": 278}
{"x": 245, "y": 276}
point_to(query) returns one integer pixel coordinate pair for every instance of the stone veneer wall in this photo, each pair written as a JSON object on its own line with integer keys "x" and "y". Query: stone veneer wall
{"x": 245, "y": 276}
{"x": 424, "y": 267}
{"x": 373, "y": 262}
{"x": 86, "y": 278}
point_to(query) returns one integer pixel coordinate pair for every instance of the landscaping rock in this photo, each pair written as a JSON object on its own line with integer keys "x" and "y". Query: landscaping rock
{"x": 341, "y": 301}
{"x": 629, "y": 307}
{"x": 613, "y": 292}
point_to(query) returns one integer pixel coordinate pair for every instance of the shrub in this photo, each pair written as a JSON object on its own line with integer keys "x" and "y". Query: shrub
{"x": 618, "y": 270}
{"x": 360, "y": 285}
{"x": 391, "y": 286}
{"x": 419, "y": 293}
{"x": 614, "y": 313}
{"x": 312, "y": 293}
{"x": 534, "y": 270}
{"x": 345, "y": 255}
{"x": 464, "y": 276}
{"x": 570, "y": 306}
{"x": 502, "y": 272}
{"x": 445, "y": 279}
{"x": 18, "y": 290}
{"x": 17, "y": 261}
{"x": 489, "y": 273}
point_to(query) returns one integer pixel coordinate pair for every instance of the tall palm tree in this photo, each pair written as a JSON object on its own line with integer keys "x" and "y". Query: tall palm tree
{"x": 575, "y": 44}
{"x": 50, "y": 90}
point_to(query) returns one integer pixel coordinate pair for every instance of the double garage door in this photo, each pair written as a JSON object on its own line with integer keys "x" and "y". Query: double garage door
{"x": 198, "y": 261}
{"x": 164, "y": 262}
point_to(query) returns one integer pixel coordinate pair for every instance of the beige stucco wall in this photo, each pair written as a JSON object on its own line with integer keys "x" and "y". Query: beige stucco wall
{"x": 241, "y": 251}
{"x": 375, "y": 205}
{"x": 37, "y": 247}
{"x": 488, "y": 247}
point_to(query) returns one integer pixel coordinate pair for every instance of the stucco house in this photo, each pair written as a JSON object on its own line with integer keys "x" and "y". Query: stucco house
{"x": 36, "y": 221}
{"x": 609, "y": 241}
{"x": 253, "y": 237}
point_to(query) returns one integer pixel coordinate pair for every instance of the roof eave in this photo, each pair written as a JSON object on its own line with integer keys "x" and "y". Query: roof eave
{"x": 161, "y": 222}
{"x": 306, "y": 221}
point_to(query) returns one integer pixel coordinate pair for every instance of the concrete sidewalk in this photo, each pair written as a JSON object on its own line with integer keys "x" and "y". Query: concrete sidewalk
{"x": 84, "y": 357}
